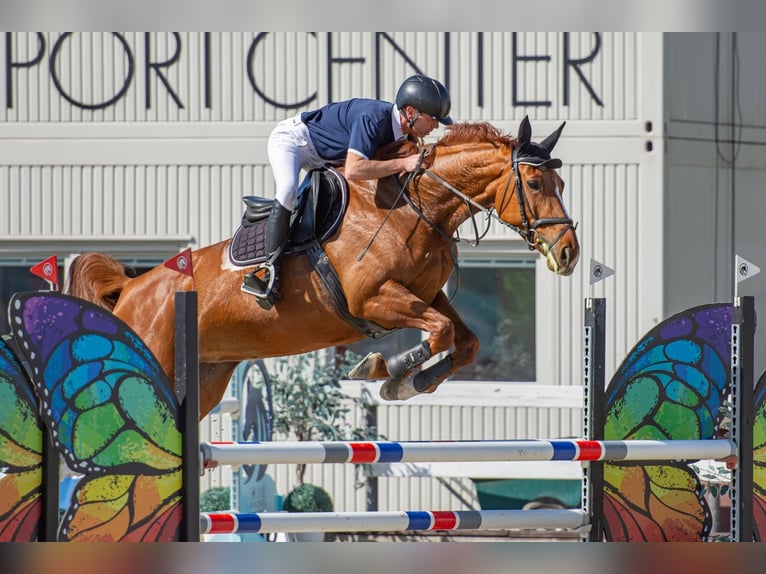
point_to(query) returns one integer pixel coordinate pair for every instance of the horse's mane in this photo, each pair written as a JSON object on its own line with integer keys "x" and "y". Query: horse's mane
{"x": 457, "y": 134}
{"x": 481, "y": 132}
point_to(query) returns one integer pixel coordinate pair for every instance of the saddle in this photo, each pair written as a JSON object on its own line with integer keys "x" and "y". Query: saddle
{"x": 321, "y": 204}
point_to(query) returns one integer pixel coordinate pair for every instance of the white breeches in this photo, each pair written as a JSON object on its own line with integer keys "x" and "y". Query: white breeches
{"x": 290, "y": 150}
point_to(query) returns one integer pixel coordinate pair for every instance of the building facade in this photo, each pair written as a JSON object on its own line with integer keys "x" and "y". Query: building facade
{"x": 141, "y": 144}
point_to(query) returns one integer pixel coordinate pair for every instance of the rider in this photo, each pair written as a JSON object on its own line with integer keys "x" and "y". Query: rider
{"x": 347, "y": 132}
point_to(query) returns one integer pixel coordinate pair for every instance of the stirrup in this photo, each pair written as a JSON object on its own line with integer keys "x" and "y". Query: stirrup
{"x": 265, "y": 292}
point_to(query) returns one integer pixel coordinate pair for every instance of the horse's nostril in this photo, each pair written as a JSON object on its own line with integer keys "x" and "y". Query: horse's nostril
{"x": 565, "y": 254}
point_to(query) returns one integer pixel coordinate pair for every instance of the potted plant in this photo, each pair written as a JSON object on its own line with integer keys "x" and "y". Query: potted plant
{"x": 215, "y": 499}
{"x": 308, "y": 498}
{"x": 309, "y": 405}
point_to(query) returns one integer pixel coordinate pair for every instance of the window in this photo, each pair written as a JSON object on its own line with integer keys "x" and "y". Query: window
{"x": 16, "y": 277}
{"x": 496, "y": 299}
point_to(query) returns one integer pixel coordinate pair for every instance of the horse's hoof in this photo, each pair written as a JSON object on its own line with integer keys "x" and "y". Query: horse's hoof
{"x": 372, "y": 367}
{"x": 397, "y": 390}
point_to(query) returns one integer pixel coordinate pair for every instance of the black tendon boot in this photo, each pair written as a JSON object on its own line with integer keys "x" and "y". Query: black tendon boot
{"x": 263, "y": 281}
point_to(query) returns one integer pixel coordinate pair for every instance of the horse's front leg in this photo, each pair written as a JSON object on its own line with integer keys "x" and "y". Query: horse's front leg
{"x": 466, "y": 347}
{"x": 396, "y": 306}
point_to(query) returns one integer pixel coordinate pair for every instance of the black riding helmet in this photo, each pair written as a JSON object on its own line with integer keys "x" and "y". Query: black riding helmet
{"x": 427, "y": 95}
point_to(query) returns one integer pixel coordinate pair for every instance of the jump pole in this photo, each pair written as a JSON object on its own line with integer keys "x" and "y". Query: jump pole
{"x": 359, "y": 452}
{"x": 229, "y": 522}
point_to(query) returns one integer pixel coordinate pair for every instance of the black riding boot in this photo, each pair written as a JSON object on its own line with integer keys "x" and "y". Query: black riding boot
{"x": 263, "y": 282}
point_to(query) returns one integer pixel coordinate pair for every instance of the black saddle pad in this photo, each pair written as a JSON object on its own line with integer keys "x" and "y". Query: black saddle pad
{"x": 248, "y": 245}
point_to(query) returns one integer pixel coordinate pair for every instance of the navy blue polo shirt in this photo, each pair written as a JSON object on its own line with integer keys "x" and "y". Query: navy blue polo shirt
{"x": 359, "y": 124}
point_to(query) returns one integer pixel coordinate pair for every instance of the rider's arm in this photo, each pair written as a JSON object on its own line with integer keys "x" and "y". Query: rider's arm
{"x": 360, "y": 168}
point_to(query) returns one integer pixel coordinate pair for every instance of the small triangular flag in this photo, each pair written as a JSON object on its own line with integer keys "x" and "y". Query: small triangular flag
{"x": 599, "y": 271}
{"x": 181, "y": 262}
{"x": 48, "y": 269}
{"x": 744, "y": 269}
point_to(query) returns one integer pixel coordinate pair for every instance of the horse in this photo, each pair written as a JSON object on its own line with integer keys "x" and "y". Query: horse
{"x": 394, "y": 250}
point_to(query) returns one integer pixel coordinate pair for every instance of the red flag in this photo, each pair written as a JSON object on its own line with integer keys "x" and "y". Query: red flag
{"x": 181, "y": 263}
{"x": 48, "y": 269}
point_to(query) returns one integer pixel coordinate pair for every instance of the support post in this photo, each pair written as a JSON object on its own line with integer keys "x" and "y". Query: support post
{"x": 594, "y": 383}
{"x": 187, "y": 393}
{"x": 371, "y": 422}
{"x": 742, "y": 352}
{"x": 50, "y": 496}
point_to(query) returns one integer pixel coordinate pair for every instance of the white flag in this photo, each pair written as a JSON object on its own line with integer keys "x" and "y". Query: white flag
{"x": 599, "y": 271}
{"x": 744, "y": 269}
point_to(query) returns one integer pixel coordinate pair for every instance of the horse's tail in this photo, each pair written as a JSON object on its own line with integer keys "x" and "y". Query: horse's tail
{"x": 97, "y": 278}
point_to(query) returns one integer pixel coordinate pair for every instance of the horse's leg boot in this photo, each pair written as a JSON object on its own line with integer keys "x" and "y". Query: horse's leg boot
{"x": 408, "y": 360}
{"x": 263, "y": 282}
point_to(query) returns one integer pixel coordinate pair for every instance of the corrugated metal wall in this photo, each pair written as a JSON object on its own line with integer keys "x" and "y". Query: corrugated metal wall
{"x": 125, "y": 139}
{"x": 716, "y": 164}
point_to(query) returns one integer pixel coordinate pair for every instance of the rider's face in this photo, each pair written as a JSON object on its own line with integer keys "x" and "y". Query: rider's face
{"x": 423, "y": 125}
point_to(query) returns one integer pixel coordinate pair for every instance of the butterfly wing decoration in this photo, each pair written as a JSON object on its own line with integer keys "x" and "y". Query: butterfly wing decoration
{"x": 670, "y": 387}
{"x": 257, "y": 419}
{"x": 113, "y": 415}
{"x": 759, "y": 459}
{"x": 21, "y": 448}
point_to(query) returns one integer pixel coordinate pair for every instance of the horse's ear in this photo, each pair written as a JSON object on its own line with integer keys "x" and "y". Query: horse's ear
{"x": 524, "y": 135}
{"x": 550, "y": 142}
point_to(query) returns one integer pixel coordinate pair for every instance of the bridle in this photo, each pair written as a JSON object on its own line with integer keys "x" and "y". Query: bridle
{"x": 528, "y": 231}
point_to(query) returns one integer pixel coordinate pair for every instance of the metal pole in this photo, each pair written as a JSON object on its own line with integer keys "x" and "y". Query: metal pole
{"x": 742, "y": 352}
{"x": 187, "y": 393}
{"x": 594, "y": 382}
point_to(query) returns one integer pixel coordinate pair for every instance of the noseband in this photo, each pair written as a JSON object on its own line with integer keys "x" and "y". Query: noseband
{"x": 528, "y": 231}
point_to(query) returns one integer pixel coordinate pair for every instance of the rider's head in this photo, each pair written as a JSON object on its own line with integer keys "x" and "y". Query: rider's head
{"x": 422, "y": 97}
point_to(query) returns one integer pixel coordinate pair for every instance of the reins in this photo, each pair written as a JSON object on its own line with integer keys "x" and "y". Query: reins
{"x": 528, "y": 231}
{"x": 402, "y": 188}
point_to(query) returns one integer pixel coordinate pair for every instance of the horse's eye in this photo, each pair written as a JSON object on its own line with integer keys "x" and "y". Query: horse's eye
{"x": 534, "y": 184}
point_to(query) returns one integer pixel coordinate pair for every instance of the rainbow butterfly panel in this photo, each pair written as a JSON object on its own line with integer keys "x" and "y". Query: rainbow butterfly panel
{"x": 21, "y": 453}
{"x": 759, "y": 459}
{"x": 670, "y": 387}
{"x": 113, "y": 415}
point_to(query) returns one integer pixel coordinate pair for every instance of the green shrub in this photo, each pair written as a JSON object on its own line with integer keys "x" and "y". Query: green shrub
{"x": 308, "y": 498}
{"x": 215, "y": 499}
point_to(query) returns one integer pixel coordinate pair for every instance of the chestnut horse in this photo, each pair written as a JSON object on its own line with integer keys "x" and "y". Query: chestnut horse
{"x": 394, "y": 280}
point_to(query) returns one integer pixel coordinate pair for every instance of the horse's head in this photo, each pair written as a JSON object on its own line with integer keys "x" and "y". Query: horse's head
{"x": 533, "y": 203}
{"x": 477, "y": 165}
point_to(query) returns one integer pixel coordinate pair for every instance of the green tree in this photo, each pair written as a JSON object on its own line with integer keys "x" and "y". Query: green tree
{"x": 309, "y": 404}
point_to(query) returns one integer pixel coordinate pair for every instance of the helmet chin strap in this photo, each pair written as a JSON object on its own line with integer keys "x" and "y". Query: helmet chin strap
{"x": 411, "y": 122}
